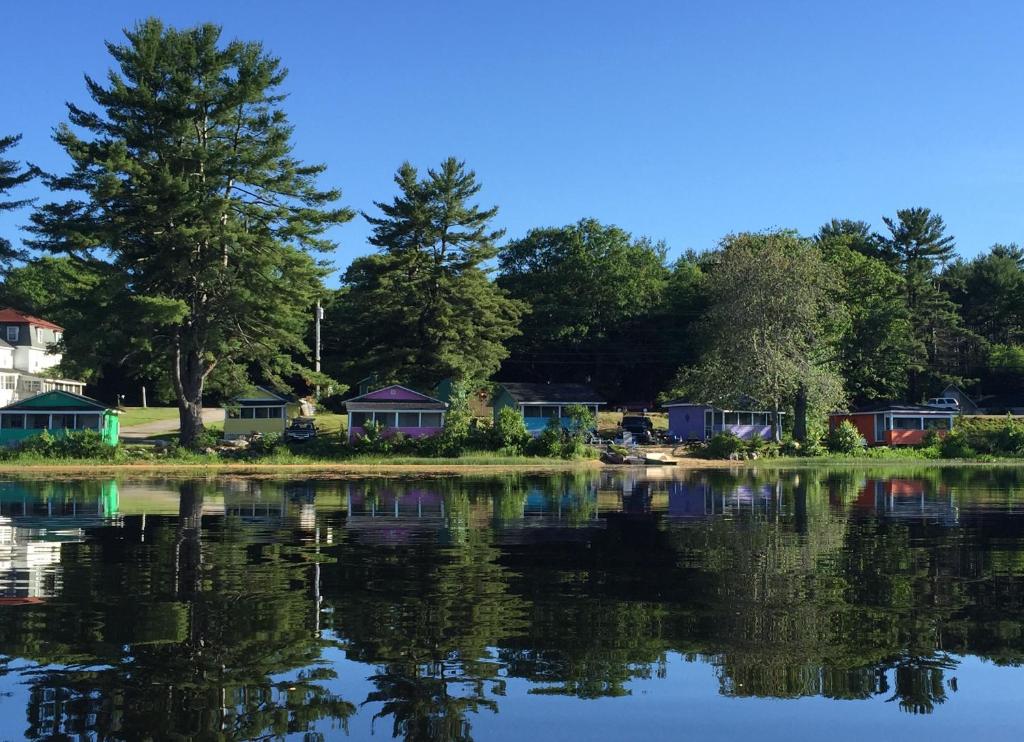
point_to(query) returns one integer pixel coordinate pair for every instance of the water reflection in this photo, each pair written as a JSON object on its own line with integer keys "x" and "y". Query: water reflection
{"x": 243, "y": 608}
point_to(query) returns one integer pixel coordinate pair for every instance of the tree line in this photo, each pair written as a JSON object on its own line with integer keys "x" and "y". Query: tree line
{"x": 186, "y": 246}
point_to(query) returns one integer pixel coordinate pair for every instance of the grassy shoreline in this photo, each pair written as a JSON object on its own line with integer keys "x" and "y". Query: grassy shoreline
{"x": 464, "y": 465}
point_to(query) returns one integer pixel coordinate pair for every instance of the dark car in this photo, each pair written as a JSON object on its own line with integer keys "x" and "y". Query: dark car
{"x": 301, "y": 429}
{"x": 640, "y": 426}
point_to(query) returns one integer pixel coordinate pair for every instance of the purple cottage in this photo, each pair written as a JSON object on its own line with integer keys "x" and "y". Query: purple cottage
{"x": 398, "y": 410}
{"x": 699, "y": 422}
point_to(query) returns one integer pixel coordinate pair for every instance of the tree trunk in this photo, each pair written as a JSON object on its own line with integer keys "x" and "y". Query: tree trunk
{"x": 189, "y": 380}
{"x": 800, "y": 414}
{"x": 777, "y": 427}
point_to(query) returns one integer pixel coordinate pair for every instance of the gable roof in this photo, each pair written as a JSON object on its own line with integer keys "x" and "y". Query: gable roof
{"x": 16, "y": 317}
{"x": 57, "y": 400}
{"x": 396, "y": 394}
{"x": 908, "y": 407}
{"x": 525, "y": 393}
{"x": 261, "y": 394}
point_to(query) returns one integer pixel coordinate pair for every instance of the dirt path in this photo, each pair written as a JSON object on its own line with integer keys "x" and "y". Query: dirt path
{"x": 162, "y": 427}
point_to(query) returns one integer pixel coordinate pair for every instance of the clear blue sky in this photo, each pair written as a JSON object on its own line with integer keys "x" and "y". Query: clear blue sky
{"x": 678, "y": 120}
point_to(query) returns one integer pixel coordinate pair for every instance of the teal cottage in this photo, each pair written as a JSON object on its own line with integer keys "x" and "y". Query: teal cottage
{"x": 538, "y": 403}
{"x": 56, "y": 413}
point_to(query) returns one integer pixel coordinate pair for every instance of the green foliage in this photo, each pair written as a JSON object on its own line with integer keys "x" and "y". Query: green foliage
{"x": 591, "y": 289}
{"x": 12, "y": 175}
{"x": 1010, "y": 439}
{"x": 185, "y": 193}
{"x": 771, "y": 292}
{"x": 423, "y": 308}
{"x": 511, "y": 431}
{"x": 581, "y": 420}
{"x": 723, "y": 446}
{"x": 955, "y": 445}
{"x": 550, "y": 442}
{"x": 266, "y": 444}
{"x": 73, "y": 444}
{"x": 844, "y": 438}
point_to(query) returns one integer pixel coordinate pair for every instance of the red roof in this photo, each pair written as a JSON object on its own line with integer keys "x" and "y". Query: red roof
{"x": 13, "y": 315}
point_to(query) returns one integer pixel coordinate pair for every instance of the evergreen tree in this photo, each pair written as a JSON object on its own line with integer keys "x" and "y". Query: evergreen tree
{"x": 424, "y": 308}
{"x": 193, "y": 198}
{"x": 11, "y": 176}
{"x": 877, "y": 347}
{"x": 919, "y": 242}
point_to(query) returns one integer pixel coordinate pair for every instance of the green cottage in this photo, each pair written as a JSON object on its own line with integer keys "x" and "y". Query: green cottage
{"x": 56, "y": 413}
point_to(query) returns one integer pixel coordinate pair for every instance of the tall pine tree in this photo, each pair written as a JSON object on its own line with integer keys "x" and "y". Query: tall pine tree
{"x": 12, "y": 175}
{"x": 424, "y": 308}
{"x": 185, "y": 184}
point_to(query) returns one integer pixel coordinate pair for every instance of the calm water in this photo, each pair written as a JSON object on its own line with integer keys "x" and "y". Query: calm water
{"x": 626, "y": 605}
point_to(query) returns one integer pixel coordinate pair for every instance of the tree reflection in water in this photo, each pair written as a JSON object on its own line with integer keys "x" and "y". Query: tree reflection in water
{"x": 838, "y": 584}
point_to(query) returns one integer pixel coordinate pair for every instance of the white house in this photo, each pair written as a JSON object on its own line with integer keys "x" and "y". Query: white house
{"x": 26, "y": 356}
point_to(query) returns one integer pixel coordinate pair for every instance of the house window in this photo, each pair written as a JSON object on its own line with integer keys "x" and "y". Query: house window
{"x": 359, "y": 419}
{"x": 386, "y": 419}
{"x": 275, "y": 413}
{"x": 10, "y": 382}
{"x": 936, "y": 423}
{"x": 13, "y": 332}
{"x": 531, "y": 410}
{"x": 408, "y": 419}
{"x": 12, "y": 422}
{"x": 746, "y": 418}
{"x": 906, "y": 423}
{"x": 732, "y": 418}
{"x": 260, "y": 413}
{"x": 430, "y": 420}
{"x": 247, "y": 413}
{"x": 548, "y": 412}
{"x": 87, "y": 422}
{"x": 37, "y": 422}
{"x": 60, "y": 421}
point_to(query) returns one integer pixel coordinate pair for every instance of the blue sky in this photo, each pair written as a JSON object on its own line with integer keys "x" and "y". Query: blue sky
{"x": 678, "y": 120}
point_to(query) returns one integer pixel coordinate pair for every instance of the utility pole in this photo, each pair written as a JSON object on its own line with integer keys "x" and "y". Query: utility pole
{"x": 316, "y": 352}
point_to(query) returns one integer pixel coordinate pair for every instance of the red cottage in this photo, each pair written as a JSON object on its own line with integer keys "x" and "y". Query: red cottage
{"x": 895, "y": 423}
{"x": 398, "y": 410}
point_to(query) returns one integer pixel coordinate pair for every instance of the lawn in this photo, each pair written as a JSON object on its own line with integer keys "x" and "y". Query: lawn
{"x": 131, "y": 416}
{"x": 608, "y": 422}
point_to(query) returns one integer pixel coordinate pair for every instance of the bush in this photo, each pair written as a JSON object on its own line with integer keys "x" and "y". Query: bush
{"x": 549, "y": 442}
{"x": 844, "y": 438}
{"x": 1010, "y": 440}
{"x": 931, "y": 439}
{"x": 790, "y": 447}
{"x": 264, "y": 445}
{"x": 511, "y": 431}
{"x": 956, "y": 446}
{"x": 74, "y": 444}
{"x": 724, "y": 446}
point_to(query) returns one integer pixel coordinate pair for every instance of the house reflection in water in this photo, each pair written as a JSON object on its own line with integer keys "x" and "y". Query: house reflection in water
{"x": 34, "y": 524}
{"x": 909, "y": 499}
{"x": 701, "y": 498}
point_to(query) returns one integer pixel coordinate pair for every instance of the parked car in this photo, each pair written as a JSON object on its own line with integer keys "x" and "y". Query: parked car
{"x": 301, "y": 429}
{"x": 944, "y": 403}
{"x": 640, "y": 427}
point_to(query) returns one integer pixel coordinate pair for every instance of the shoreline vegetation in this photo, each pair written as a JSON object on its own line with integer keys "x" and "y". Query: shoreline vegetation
{"x": 468, "y": 465}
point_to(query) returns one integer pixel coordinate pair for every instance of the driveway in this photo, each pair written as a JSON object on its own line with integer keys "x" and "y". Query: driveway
{"x": 165, "y": 427}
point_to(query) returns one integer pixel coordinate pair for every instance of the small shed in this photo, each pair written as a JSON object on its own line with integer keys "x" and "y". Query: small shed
{"x": 539, "y": 403}
{"x": 398, "y": 409}
{"x": 56, "y": 413}
{"x": 258, "y": 410}
{"x": 895, "y": 423}
{"x": 694, "y": 421}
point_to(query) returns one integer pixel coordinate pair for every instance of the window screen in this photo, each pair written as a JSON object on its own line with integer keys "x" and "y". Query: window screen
{"x": 408, "y": 419}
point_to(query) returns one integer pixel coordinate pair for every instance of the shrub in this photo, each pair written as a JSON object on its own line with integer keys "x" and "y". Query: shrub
{"x": 931, "y": 439}
{"x": 790, "y": 447}
{"x": 74, "y": 444}
{"x": 724, "y": 446}
{"x": 1010, "y": 439}
{"x": 844, "y": 438}
{"x": 511, "y": 431}
{"x": 581, "y": 420}
{"x": 956, "y": 446}
{"x": 265, "y": 445}
{"x": 814, "y": 447}
{"x": 549, "y": 442}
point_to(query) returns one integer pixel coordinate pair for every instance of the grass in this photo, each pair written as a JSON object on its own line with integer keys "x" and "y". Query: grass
{"x": 131, "y": 416}
{"x": 608, "y": 422}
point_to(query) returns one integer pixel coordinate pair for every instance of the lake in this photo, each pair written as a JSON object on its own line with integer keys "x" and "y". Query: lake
{"x": 841, "y": 603}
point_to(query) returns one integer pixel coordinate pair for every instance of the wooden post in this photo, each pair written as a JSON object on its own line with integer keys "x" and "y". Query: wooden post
{"x": 143, "y": 397}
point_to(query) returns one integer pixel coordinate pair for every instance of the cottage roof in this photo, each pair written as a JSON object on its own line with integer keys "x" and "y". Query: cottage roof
{"x": 261, "y": 395}
{"x": 15, "y": 317}
{"x": 394, "y": 397}
{"x": 57, "y": 400}
{"x": 525, "y": 393}
{"x": 908, "y": 407}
